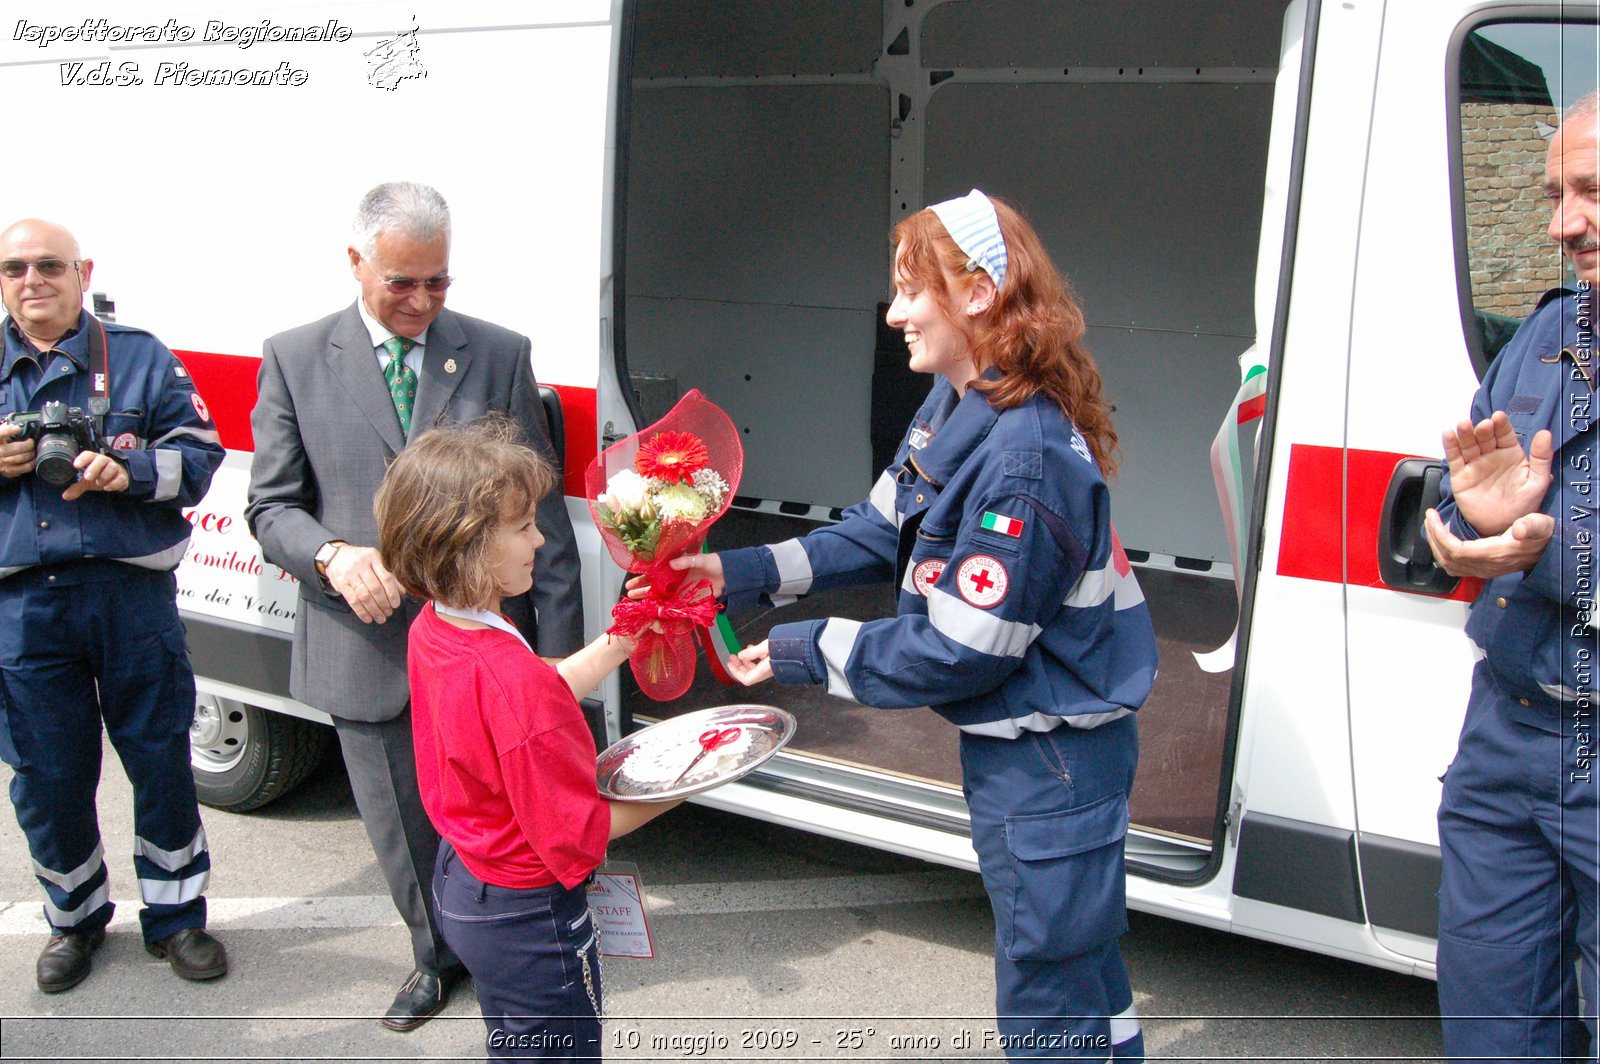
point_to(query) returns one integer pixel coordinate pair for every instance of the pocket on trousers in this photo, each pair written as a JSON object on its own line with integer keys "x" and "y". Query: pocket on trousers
{"x": 457, "y": 898}
{"x": 1070, "y": 891}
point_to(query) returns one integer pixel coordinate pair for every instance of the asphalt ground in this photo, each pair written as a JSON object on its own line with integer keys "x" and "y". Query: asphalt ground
{"x": 771, "y": 944}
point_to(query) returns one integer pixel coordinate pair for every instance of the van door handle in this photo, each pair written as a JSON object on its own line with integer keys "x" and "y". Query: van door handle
{"x": 1405, "y": 560}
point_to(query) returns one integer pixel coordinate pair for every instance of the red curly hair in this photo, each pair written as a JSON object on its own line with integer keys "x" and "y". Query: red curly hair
{"x": 1032, "y": 332}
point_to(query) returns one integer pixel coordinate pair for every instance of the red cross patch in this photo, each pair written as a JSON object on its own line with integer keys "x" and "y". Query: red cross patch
{"x": 982, "y": 580}
{"x": 200, "y": 406}
{"x": 926, "y": 574}
{"x": 125, "y": 442}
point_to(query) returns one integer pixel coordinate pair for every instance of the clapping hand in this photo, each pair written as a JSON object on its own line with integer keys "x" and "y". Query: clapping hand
{"x": 1493, "y": 481}
{"x": 1517, "y": 549}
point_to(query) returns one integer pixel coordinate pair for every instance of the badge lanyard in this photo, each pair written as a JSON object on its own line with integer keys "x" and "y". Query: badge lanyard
{"x": 484, "y": 617}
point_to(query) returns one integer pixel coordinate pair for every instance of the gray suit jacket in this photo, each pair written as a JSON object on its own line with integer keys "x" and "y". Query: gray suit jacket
{"x": 325, "y": 432}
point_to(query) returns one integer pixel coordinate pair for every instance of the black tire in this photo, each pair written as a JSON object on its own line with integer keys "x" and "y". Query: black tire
{"x": 244, "y": 757}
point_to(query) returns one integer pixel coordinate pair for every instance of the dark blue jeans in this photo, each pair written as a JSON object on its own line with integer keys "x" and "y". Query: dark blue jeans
{"x": 534, "y": 956}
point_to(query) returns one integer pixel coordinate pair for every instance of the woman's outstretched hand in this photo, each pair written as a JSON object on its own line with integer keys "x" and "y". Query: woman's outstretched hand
{"x": 751, "y": 665}
{"x": 696, "y": 566}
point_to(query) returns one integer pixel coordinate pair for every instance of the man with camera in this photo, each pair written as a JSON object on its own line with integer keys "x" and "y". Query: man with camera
{"x": 103, "y": 440}
{"x": 338, "y": 399}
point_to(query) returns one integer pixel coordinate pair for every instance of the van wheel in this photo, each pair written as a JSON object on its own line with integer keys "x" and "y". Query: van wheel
{"x": 244, "y": 757}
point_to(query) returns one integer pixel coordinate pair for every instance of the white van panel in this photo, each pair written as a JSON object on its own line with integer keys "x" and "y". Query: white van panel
{"x": 257, "y": 184}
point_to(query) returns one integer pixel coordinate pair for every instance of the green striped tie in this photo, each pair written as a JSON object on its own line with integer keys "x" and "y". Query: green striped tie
{"x": 402, "y": 379}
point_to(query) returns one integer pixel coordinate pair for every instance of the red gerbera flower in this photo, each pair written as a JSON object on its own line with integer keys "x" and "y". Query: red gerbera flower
{"x": 674, "y": 457}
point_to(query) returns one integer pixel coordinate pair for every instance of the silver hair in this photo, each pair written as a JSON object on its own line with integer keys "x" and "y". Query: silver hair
{"x": 1587, "y": 106}
{"x": 404, "y": 208}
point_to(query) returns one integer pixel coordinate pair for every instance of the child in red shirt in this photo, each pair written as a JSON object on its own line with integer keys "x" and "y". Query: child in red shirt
{"x": 505, "y": 760}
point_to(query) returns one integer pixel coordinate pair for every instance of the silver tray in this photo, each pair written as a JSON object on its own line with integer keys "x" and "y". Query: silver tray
{"x": 769, "y": 728}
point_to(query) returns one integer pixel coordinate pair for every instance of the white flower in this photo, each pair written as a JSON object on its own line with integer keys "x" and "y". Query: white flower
{"x": 680, "y": 502}
{"x": 624, "y": 492}
{"x": 711, "y": 486}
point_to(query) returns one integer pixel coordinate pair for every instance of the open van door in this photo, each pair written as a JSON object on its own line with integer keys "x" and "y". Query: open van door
{"x": 1453, "y": 253}
{"x": 764, "y": 151}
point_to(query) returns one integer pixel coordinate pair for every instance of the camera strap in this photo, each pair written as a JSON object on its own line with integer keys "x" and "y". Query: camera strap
{"x": 99, "y": 372}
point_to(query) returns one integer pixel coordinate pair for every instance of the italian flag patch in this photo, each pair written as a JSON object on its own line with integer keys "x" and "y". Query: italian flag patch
{"x": 1006, "y": 526}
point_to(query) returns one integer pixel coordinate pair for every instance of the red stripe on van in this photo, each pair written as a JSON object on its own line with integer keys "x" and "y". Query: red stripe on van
{"x": 579, "y": 411}
{"x": 1313, "y": 547}
{"x": 228, "y": 385}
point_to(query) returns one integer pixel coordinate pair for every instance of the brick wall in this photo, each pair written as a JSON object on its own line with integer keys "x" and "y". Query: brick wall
{"x": 1513, "y": 260}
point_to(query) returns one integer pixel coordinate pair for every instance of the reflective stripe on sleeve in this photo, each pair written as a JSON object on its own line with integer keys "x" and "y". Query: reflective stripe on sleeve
{"x": 1128, "y": 592}
{"x": 190, "y": 432}
{"x": 978, "y": 629}
{"x": 1093, "y": 587}
{"x": 883, "y": 500}
{"x": 838, "y": 639}
{"x": 169, "y": 473}
{"x": 794, "y": 568}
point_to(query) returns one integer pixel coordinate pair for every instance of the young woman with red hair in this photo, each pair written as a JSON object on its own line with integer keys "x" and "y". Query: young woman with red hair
{"x": 1018, "y": 620}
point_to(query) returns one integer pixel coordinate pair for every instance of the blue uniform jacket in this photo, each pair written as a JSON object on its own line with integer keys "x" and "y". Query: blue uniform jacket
{"x": 159, "y": 426}
{"x": 1017, "y": 607}
{"x": 1534, "y": 626}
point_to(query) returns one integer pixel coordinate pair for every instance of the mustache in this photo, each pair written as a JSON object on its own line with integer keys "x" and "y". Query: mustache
{"x": 1578, "y": 244}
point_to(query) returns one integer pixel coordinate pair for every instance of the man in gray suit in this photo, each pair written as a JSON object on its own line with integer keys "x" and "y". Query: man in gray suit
{"x": 338, "y": 400}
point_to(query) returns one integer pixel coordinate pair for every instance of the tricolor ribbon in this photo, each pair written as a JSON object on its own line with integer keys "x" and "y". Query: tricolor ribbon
{"x": 1227, "y": 470}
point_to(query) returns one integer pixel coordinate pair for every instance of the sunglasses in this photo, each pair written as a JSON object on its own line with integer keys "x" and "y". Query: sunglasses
{"x": 15, "y": 268}
{"x": 401, "y": 285}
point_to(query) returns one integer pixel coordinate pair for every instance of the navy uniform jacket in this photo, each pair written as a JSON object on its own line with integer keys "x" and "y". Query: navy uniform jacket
{"x": 1015, "y": 626}
{"x": 1534, "y": 626}
{"x": 161, "y": 429}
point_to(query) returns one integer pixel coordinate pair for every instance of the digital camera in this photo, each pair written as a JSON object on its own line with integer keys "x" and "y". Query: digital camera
{"x": 62, "y": 432}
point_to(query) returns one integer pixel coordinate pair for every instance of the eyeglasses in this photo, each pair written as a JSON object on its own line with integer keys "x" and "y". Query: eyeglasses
{"x": 404, "y": 285}
{"x": 15, "y": 268}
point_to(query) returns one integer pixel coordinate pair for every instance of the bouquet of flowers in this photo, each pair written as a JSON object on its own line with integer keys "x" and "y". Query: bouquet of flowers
{"x": 653, "y": 496}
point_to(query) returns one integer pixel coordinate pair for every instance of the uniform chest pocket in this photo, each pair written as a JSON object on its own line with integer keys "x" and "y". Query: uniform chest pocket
{"x": 923, "y": 557}
{"x": 122, "y": 430}
{"x": 1528, "y": 414}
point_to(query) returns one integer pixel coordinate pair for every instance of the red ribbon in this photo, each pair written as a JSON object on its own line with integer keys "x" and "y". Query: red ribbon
{"x": 681, "y": 609}
{"x": 663, "y": 622}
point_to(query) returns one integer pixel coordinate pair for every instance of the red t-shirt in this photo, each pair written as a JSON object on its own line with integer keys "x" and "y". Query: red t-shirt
{"x": 505, "y": 761}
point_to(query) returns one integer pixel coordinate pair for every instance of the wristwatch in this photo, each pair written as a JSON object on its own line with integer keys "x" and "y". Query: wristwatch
{"x": 325, "y": 555}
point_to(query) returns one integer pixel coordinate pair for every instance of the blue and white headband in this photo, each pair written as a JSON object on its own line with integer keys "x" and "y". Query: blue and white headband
{"x": 975, "y": 228}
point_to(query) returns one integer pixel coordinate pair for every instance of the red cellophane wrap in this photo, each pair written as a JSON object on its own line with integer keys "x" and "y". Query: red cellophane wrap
{"x": 694, "y": 435}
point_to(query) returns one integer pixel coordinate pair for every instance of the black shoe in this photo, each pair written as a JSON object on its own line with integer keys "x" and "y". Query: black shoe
{"x": 421, "y": 998}
{"x": 64, "y": 961}
{"x": 193, "y": 953}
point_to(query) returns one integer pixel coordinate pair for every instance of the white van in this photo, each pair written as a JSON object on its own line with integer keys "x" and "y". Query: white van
{"x": 1300, "y": 231}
